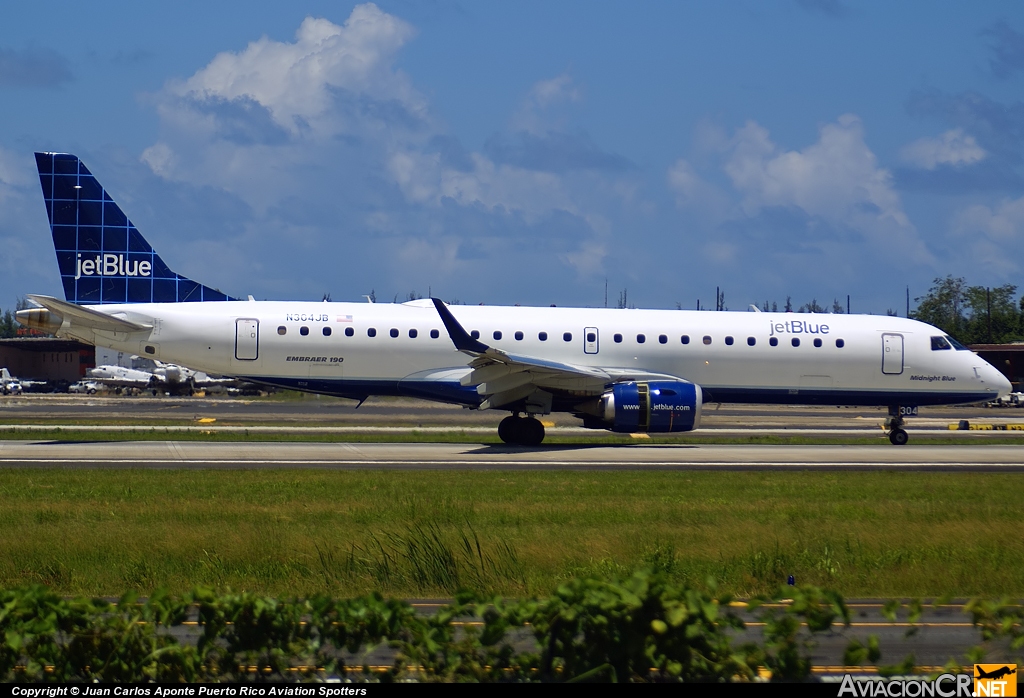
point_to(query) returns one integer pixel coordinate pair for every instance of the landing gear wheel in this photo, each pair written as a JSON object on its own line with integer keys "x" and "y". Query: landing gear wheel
{"x": 531, "y": 432}
{"x": 508, "y": 429}
{"x": 898, "y": 437}
{"x": 521, "y": 431}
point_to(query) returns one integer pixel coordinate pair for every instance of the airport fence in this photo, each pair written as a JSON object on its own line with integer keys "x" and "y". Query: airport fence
{"x": 642, "y": 628}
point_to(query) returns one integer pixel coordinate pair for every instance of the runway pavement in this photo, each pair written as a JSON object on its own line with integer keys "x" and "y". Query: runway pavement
{"x": 404, "y": 456}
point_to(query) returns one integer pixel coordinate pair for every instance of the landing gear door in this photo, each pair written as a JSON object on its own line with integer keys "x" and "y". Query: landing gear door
{"x": 892, "y": 354}
{"x": 590, "y": 340}
{"x": 247, "y": 339}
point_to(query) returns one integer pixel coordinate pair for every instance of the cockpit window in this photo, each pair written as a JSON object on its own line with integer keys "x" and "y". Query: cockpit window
{"x": 956, "y": 345}
{"x": 940, "y": 343}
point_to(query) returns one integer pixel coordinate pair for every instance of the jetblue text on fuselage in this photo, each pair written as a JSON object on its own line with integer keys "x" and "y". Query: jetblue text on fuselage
{"x": 111, "y": 265}
{"x": 797, "y": 327}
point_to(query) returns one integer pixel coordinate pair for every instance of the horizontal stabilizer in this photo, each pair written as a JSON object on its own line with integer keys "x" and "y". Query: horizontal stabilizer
{"x": 87, "y": 317}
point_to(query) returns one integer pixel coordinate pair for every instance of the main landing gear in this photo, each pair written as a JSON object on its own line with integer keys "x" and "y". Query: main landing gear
{"x": 522, "y": 431}
{"x": 897, "y": 434}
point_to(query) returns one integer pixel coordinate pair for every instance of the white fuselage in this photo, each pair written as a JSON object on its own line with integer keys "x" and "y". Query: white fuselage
{"x": 358, "y": 349}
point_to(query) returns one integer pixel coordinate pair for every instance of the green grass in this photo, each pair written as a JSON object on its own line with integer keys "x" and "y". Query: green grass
{"x": 427, "y": 533}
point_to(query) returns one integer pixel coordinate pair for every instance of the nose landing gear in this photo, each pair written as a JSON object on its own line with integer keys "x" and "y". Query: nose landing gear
{"x": 897, "y": 434}
{"x": 521, "y": 431}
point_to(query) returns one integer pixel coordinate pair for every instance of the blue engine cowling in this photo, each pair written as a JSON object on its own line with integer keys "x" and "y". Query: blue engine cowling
{"x": 654, "y": 406}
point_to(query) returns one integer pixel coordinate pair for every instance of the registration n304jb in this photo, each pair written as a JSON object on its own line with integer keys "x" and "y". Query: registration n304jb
{"x": 624, "y": 370}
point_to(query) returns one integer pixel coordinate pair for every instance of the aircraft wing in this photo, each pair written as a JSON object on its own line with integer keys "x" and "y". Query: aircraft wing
{"x": 504, "y": 378}
{"x": 119, "y": 382}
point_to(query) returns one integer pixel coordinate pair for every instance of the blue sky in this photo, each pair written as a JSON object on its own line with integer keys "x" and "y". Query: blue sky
{"x": 527, "y": 152}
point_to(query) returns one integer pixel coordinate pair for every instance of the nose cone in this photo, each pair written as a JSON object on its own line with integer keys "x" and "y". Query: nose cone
{"x": 994, "y": 379}
{"x": 1004, "y": 385}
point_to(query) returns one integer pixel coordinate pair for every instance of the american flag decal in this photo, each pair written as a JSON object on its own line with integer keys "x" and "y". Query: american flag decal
{"x": 344, "y": 318}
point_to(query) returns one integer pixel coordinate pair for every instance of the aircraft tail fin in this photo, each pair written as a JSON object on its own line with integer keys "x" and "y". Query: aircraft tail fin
{"x": 102, "y": 257}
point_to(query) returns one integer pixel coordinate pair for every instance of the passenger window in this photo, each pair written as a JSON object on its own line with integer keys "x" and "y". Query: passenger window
{"x": 685, "y": 339}
{"x": 617, "y": 338}
{"x": 282, "y": 330}
{"x": 796, "y": 341}
{"x": 434, "y": 334}
{"x": 372, "y": 332}
{"x": 327, "y": 332}
{"x": 729, "y": 341}
{"x": 817, "y": 342}
{"x": 663, "y": 339}
{"x": 542, "y": 336}
{"x": 519, "y": 336}
{"x": 394, "y": 332}
{"x": 591, "y": 337}
{"x": 497, "y": 334}
{"x": 751, "y": 341}
{"x": 475, "y": 334}
{"x": 940, "y": 343}
{"x": 640, "y": 339}
{"x": 840, "y": 343}
{"x": 303, "y": 330}
{"x": 774, "y": 341}
{"x": 413, "y": 334}
{"x": 707, "y": 339}
{"x": 349, "y": 331}
{"x": 567, "y": 337}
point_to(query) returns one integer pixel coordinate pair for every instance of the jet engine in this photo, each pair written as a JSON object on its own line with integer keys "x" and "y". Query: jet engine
{"x": 654, "y": 406}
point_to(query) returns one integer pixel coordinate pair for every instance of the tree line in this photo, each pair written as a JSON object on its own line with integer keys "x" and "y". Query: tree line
{"x": 8, "y": 325}
{"x": 973, "y": 314}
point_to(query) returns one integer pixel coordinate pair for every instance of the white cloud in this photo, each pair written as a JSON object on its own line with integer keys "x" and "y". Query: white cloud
{"x": 287, "y": 102}
{"x": 21, "y": 264}
{"x": 829, "y": 201}
{"x": 833, "y": 178}
{"x": 326, "y": 144}
{"x": 536, "y": 113}
{"x": 693, "y": 191}
{"x": 425, "y": 180}
{"x": 953, "y": 147}
{"x": 993, "y": 236}
{"x": 505, "y": 186}
{"x": 588, "y": 260}
{"x": 15, "y": 170}
{"x": 1005, "y": 223}
{"x": 296, "y": 82}
{"x": 837, "y": 180}
{"x": 293, "y": 104}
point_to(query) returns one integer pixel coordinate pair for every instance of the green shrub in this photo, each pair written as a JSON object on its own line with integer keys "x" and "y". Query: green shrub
{"x": 643, "y": 628}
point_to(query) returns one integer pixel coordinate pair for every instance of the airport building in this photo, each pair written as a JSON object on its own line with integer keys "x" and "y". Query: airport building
{"x": 46, "y": 358}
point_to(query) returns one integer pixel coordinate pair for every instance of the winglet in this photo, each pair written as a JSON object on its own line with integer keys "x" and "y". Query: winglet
{"x": 463, "y": 341}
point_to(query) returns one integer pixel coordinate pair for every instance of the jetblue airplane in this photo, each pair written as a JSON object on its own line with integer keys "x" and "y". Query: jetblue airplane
{"x": 630, "y": 371}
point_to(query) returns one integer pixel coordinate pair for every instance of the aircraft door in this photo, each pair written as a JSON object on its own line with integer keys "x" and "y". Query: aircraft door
{"x": 247, "y": 338}
{"x": 892, "y": 354}
{"x": 590, "y": 340}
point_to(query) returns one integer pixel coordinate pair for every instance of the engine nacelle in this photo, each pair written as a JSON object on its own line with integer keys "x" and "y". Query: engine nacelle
{"x": 654, "y": 406}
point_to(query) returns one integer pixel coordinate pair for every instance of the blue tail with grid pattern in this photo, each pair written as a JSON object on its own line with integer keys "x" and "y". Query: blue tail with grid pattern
{"x": 101, "y": 255}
